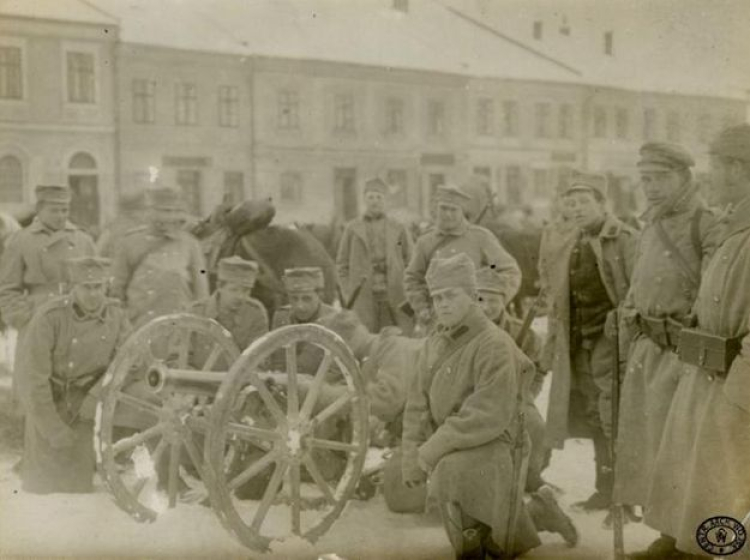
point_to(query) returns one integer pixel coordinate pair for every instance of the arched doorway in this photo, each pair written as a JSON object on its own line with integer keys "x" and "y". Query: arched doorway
{"x": 83, "y": 179}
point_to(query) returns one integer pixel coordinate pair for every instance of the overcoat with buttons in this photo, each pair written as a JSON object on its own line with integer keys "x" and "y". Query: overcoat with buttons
{"x": 614, "y": 249}
{"x": 701, "y": 469}
{"x": 156, "y": 275}
{"x": 660, "y": 288}
{"x": 63, "y": 344}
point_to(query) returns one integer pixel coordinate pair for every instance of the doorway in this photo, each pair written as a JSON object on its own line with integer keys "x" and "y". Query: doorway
{"x": 345, "y": 192}
{"x": 83, "y": 179}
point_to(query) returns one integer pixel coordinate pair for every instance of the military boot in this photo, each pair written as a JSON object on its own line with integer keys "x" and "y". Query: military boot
{"x": 547, "y": 515}
{"x": 663, "y": 548}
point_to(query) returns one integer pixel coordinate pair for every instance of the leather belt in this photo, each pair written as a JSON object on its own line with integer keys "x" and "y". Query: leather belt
{"x": 664, "y": 331}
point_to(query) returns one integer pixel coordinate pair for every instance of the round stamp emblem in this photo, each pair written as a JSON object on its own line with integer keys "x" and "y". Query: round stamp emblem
{"x": 721, "y": 536}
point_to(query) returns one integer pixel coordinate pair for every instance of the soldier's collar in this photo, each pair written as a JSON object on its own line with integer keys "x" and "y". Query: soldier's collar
{"x": 737, "y": 217}
{"x": 38, "y": 226}
{"x": 683, "y": 201}
{"x": 83, "y": 315}
{"x": 460, "y": 230}
{"x": 474, "y": 322}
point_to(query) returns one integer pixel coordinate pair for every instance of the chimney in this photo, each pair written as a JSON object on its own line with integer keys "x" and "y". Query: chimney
{"x": 401, "y": 6}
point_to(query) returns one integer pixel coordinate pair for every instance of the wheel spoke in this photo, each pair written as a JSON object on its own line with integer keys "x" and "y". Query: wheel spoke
{"x": 333, "y": 445}
{"x": 195, "y": 457}
{"x": 294, "y": 478}
{"x": 140, "y": 404}
{"x": 174, "y": 472}
{"x": 133, "y": 441}
{"x": 197, "y": 424}
{"x": 314, "y": 471}
{"x": 268, "y": 496}
{"x": 312, "y": 394}
{"x": 210, "y": 362}
{"x": 251, "y": 433}
{"x": 332, "y": 408}
{"x": 253, "y": 470}
{"x": 268, "y": 399}
{"x": 292, "y": 396}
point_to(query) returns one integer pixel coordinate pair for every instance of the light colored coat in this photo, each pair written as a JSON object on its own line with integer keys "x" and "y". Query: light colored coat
{"x": 353, "y": 262}
{"x": 701, "y": 469}
{"x": 614, "y": 249}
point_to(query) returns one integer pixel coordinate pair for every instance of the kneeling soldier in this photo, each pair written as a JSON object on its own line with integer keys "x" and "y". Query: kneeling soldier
{"x": 70, "y": 343}
{"x": 460, "y": 422}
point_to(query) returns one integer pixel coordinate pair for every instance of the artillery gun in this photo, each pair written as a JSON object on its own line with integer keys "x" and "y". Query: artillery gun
{"x": 182, "y": 409}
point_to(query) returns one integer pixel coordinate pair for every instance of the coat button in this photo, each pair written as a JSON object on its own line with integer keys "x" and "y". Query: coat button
{"x": 70, "y": 365}
{"x": 74, "y": 341}
{"x": 716, "y": 299}
{"x": 710, "y": 377}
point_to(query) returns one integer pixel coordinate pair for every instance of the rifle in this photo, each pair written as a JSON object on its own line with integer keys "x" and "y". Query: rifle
{"x": 349, "y": 303}
{"x": 617, "y": 510}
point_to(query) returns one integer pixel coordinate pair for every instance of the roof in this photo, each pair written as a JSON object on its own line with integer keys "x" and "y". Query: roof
{"x": 75, "y": 11}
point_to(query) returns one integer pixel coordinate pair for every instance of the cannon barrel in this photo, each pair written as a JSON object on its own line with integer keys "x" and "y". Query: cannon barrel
{"x": 162, "y": 378}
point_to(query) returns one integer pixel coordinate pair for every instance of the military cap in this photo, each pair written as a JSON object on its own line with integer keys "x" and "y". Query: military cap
{"x": 454, "y": 272}
{"x": 83, "y": 270}
{"x": 165, "y": 198}
{"x": 733, "y": 142}
{"x": 591, "y": 182}
{"x": 376, "y": 184}
{"x": 238, "y": 270}
{"x": 489, "y": 281}
{"x": 451, "y": 194}
{"x": 59, "y": 194}
{"x": 663, "y": 156}
{"x": 303, "y": 279}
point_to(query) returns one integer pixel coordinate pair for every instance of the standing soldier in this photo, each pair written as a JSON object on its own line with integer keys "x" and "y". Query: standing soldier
{"x": 372, "y": 255}
{"x": 599, "y": 262}
{"x": 67, "y": 348}
{"x": 232, "y": 304}
{"x": 454, "y": 235}
{"x": 159, "y": 268}
{"x": 31, "y": 271}
{"x": 678, "y": 237}
{"x": 701, "y": 469}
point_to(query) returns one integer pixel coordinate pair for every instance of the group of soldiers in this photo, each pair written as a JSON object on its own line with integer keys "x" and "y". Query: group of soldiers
{"x": 450, "y": 373}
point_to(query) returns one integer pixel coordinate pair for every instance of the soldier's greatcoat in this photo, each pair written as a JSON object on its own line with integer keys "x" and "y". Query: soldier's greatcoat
{"x": 355, "y": 261}
{"x": 156, "y": 275}
{"x": 63, "y": 345}
{"x": 701, "y": 469}
{"x": 478, "y": 243}
{"x": 660, "y": 288}
{"x": 460, "y": 421}
{"x": 614, "y": 249}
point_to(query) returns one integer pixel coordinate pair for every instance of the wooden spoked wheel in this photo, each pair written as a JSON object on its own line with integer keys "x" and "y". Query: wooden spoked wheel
{"x": 152, "y": 415}
{"x": 307, "y": 431}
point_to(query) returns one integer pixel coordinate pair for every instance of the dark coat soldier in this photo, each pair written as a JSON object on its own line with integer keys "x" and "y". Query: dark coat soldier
{"x": 69, "y": 344}
{"x": 678, "y": 238}
{"x": 372, "y": 255}
{"x": 701, "y": 467}
{"x": 459, "y": 422}
{"x": 159, "y": 268}
{"x": 304, "y": 286}
{"x": 599, "y": 261}
{"x": 453, "y": 235}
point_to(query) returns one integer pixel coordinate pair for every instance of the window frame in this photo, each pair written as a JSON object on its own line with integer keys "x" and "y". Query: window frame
{"x": 81, "y": 48}
{"x": 485, "y": 116}
{"x": 228, "y": 106}
{"x": 344, "y": 113}
{"x": 395, "y": 106}
{"x": 177, "y": 99}
{"x": 542, "y": 119}
{"x": 511, "y": 118}
{"x": 436, "y": 127}
{"x": 20, "y": 44}
{"x": 284, "y": 100}
{"x": 148, "y": 98}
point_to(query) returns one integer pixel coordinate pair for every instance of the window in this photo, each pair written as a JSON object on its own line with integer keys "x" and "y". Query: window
{"x": 542, "y": 113}
{"x": 144, "y": 101}
{"x": 609, "y": 43}
{"x": 514, "y": 184}
{"x": 510, "y": 118}
{"x": 11, "y": 180}
{"x": 565, "y": 121}
{"x": 537, "y": 30}
{"x": 186, "y": 104}
{"x": 540, "y": 183}
{"x": 80, "y": 72}
{"x": 398, "y": 180}
{"x": 621, "y": 123}
{"x": 485, "y": 116}
{"x": 11, "y": 78}
{"x": 229, "y": 106}
{"x": 234, "y": 186}
{"x": 343, "y": 113}
{"x": 705, "y": 127}
{"x": 290, "y": 187}
{"x": 287, "y": 117}
{"x": 673, "y": 126}
{"x": 394, "y": 115}
{"x": 435, "y": 118}
{"x": 189, "y": 181}
{"x": 649, "y": 124}
{"x": 600, "y": 122}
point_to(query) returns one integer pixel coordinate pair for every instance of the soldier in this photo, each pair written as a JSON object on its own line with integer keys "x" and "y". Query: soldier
{"x": 304, "y": 286}
{"x": 68, "y": 346}
{"x": 679, "y": 235}
{"x": 459, "y": 420}
{"x": 232, "y": 304}
{"x": 599, "y": 261}
{"x": 159, "y": 268}
{"x": 372, "y": 255}
{"x": 453, "y": 235}
{"x": 701, "y": 468}
{"x": 31, "y": 271}
{"x": 489, "y": 289}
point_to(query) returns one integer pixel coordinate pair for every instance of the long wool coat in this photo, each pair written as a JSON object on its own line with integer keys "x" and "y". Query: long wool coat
{"x": 659, "y": 288}
{"x": 614, "y": 248}
{"x": 354, "y": 261}
{"x": 701, "y": 469}
{"x": 460, "y": 421}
